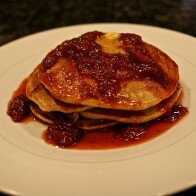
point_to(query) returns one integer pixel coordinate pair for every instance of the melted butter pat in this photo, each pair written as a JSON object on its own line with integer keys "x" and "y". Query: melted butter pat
{"x": 110, "y": 43}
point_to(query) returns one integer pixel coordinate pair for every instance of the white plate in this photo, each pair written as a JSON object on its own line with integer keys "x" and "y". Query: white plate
{"x": 28, "y": 166}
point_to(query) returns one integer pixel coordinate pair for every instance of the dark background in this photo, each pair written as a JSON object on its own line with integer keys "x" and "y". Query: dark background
{"x": 23, "y": 17}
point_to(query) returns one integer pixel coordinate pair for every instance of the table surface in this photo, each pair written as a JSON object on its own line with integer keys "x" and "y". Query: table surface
{"x": 23, "y": 17}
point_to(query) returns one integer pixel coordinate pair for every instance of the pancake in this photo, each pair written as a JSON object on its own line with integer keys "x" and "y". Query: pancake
{"x": 114, "y": 71}
{"x": 37, "y": 93}
{"x": 100, "y": 79}
{"x": 92, "y": 124}
{"x": 82, "y": 123}
{"x": 46, "y": 117}
{"x": 142, "y": 116}
{"x": 97, "y": 118}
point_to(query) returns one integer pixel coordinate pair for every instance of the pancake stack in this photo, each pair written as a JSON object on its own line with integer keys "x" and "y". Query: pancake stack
{"x": 100, "y": 79}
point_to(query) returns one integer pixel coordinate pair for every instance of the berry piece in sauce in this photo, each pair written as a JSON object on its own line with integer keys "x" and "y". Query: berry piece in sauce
{"x": 63, "y": 133}
{"x": 19, "y": 108}
{"x": 131, "y": 132}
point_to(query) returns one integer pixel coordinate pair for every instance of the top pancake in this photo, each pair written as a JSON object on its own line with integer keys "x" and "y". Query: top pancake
{"x": 117, "y": 71}
{"x": 37, "y": 93}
